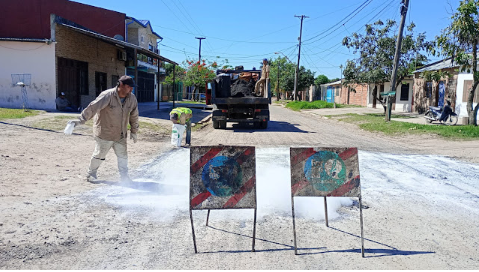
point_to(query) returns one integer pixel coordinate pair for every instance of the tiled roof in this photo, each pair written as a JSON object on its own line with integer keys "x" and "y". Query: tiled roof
{"x": 145, "y": 23}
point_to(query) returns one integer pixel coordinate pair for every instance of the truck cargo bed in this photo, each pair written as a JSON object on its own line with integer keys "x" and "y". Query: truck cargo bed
{"x": 240, "y": 100}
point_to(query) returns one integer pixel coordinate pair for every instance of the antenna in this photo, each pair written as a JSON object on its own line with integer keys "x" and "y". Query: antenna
{"x": 22, "y": 80}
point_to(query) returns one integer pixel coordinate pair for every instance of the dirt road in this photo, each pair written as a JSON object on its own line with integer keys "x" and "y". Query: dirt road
{"x": 53, "y": 219}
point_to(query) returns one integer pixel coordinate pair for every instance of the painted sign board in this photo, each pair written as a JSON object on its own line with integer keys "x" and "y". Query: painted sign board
{"x": 222, "y": 177}
{"x": 324, "y": 172}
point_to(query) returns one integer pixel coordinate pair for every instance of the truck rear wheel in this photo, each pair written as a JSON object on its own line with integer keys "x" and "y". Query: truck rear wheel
{"x": 222, "y": 124}
{"x": 264, "y": 124}
{"x": 216, "y": 124}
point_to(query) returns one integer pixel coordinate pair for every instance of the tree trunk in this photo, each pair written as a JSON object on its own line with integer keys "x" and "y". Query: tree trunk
{"x": 375, "y": 94}
{"x": 472, "y": 113}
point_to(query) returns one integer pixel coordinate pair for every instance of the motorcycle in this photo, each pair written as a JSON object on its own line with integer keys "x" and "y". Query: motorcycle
{"x": 444, "y": 115}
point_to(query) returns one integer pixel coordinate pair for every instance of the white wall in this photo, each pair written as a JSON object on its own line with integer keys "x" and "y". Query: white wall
{"x": 461, "y": 107}
{"x": 403, "y": 106}
{"x": 35, "y": 58}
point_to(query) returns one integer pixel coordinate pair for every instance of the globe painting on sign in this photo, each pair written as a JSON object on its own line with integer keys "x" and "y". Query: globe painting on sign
{"x": 222, "y": 177}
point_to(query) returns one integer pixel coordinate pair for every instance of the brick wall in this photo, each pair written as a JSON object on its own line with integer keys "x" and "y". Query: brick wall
{"x": 421, "y": 102}
{"x": 100, "y": 56}
{"x": 357, "y": 97}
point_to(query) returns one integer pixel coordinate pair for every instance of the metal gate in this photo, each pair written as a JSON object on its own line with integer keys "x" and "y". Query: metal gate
{"x": 442, "y": 90}
{"x": 145, "y": 92}
{"x": 72, "y": 79}
{"x": 329, "y": 95}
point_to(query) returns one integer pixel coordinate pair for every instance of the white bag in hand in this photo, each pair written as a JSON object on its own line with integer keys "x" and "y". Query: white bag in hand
{"x": 177, "y": 134}
{"x": 69, "y": 128}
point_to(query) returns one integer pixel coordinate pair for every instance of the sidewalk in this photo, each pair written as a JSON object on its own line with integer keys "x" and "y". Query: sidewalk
{"x": 413, "y": 116}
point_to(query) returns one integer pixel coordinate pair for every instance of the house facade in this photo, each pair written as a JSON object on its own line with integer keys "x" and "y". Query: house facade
{"x": 402, "y": 100}
{"x": 69, "y": 57}
{"x": 450, "y": 84}
{"x": 351, "y": 95}
{"x": 140, "y": 33}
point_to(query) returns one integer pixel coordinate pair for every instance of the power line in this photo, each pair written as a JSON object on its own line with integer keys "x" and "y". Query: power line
{"x": 338, "y": 27}
{"x": 177, "y": 17}
{"x": 338, "y": 22}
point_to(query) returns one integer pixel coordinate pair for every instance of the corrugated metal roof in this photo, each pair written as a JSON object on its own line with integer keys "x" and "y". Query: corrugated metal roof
{"x": 333, "y": 83}
{"x": 438, "y": 65}
{"x": 24, "y": 40}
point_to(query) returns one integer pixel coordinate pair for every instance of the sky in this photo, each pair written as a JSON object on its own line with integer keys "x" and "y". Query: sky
{"x": 245, "y": 32}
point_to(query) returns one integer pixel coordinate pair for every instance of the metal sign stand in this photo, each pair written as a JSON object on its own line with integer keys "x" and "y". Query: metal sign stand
{"x": 231, "y": 167}
{"x": 207, "y": 219}
{"x": 311, "y": 177}
{"x": 327, "y": 225}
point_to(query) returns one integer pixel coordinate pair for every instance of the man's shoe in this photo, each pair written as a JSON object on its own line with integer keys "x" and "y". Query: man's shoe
{"x": 91, "y": 177}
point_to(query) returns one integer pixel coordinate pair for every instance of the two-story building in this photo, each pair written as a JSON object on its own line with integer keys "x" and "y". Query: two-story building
{"x": 63, "y": 46}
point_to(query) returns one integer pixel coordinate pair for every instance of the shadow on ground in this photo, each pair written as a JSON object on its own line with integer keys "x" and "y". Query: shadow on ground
{"x": 273, "y": 126}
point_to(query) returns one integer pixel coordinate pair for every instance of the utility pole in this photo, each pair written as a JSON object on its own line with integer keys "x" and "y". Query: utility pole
{"x": 396, "y": 59}
{"x": 199, "y": 60}
{"x": 277, "y": 85}
{"x": 296, "y": 74}
{"x": 199, "y": 51}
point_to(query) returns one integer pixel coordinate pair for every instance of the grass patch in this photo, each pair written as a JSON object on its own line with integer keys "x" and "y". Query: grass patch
{"x": 16, "y": 113}
{"x": 57, "y": 123}
{"x": 151, "y": 127}
{"x": 191, "y": 102}
{"x": 318, "y": 104}
{"x": 375, "y": 123}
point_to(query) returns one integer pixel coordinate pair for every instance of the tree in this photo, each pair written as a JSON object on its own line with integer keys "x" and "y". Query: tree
{"x": 376, "y": 50}
{"x": 286, "y": 74}
{"x": 198, "y": 74}
{"x": 321, "y": 79}
{"x": 460, "y": 41}
{"x": 179, "y": 73}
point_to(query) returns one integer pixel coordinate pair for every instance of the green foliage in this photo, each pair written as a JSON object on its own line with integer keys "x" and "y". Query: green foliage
{"x": 334, "y": 79}
{"x": 460, "y": 41}
{"x": 199, "y": 73}
{"x": 16, "y": 113}
{"x": 435, "y": 75}
{"x": 318, "y": 104}
{"x": 375, "y": 123}
{"x": 286, "y": 75}
{"x": 376, "y": 49}
{"x": 321, "y": 79}
{"x": 179, "y": 73}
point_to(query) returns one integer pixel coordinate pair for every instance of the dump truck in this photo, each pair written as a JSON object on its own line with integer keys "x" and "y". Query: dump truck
{"x": 234, "y": 99}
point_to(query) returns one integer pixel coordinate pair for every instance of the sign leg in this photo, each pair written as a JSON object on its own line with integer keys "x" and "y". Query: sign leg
{"x": 361, "y": 221}
{"x": 294, "y": 226}
{"x": 254, "y": 229}
{"x": 193, "y": 231}
{"x": 326, "y": 211}
{"x": 208, "y": 217}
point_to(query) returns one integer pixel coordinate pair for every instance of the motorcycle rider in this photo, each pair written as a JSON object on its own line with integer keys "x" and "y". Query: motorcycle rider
{"x": 446, "y": 111}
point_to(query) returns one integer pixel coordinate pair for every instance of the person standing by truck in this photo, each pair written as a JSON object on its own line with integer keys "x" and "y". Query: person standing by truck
{"x": 112, "y": 110}
{"x": 264, "y": 75}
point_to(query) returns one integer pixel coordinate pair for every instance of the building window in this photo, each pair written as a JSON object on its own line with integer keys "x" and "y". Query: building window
{"x": 429, "y": 89}
{"x": 114, "y": 80}
{"x": 150, "y": 47}
{"x": 100, "y": 82}
{"x": 404, "y": 92}
{"x": 142, "y": 38}
{"x": 337, "y": 91}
